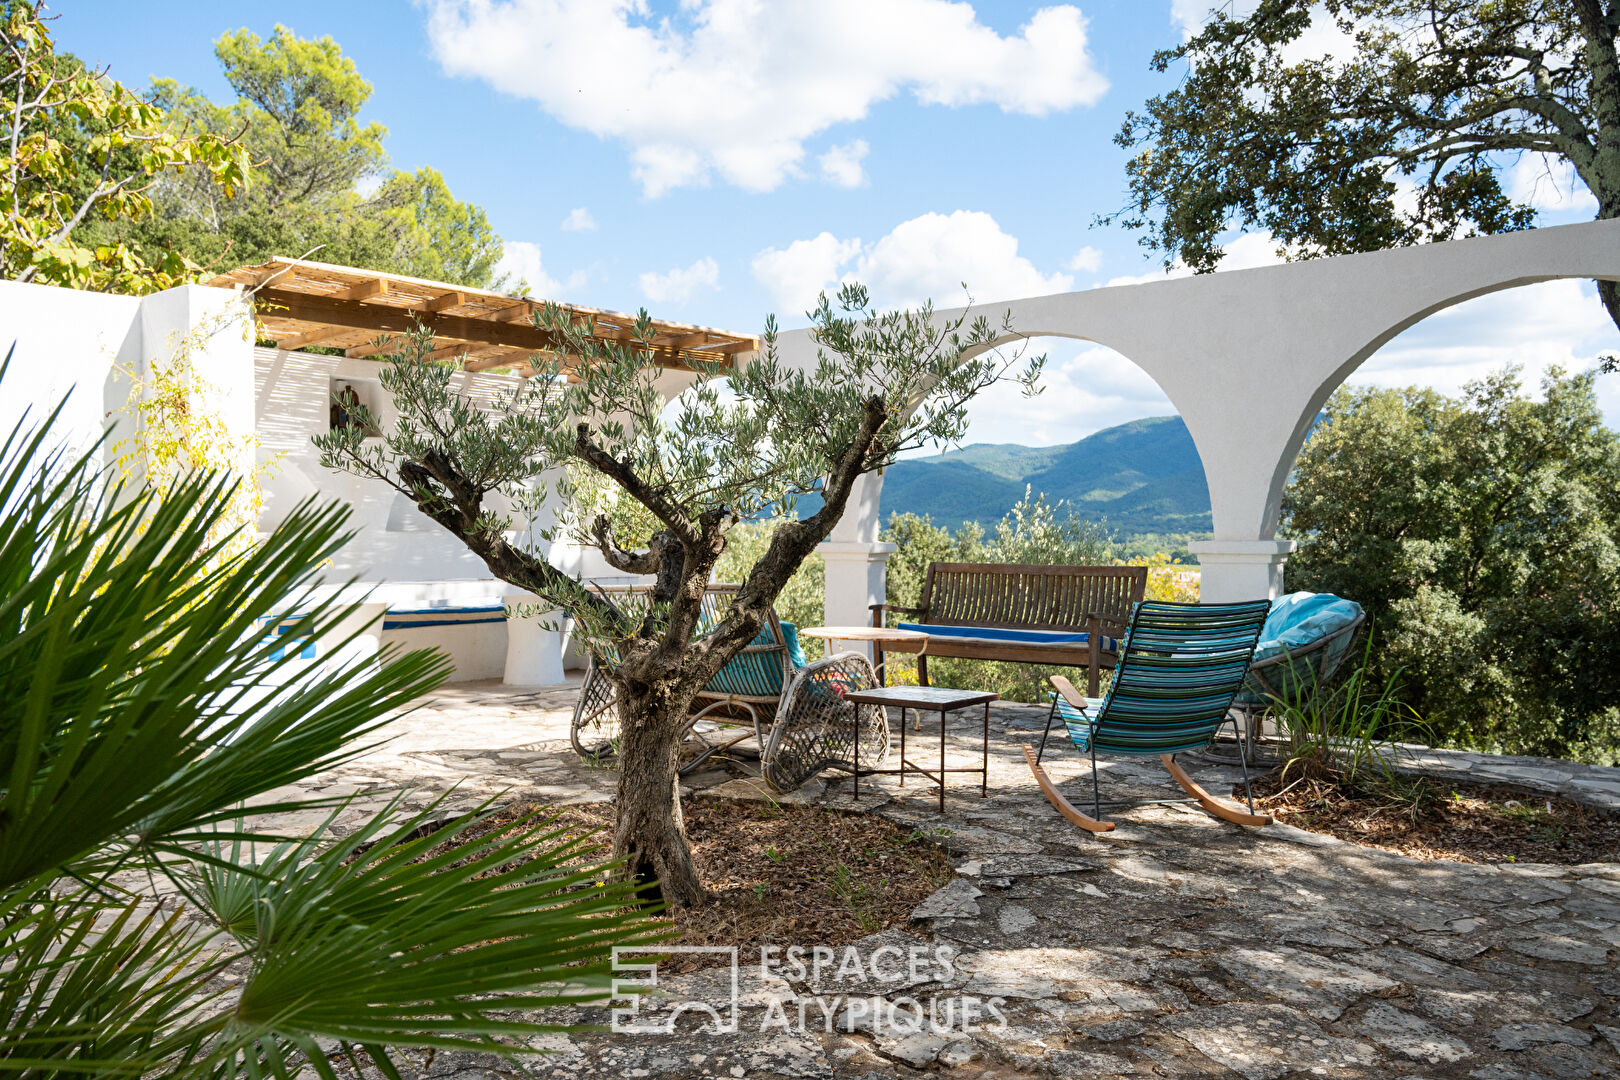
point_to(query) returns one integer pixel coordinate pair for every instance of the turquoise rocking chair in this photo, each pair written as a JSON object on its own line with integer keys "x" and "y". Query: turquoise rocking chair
{"x": 1180, "y": 667}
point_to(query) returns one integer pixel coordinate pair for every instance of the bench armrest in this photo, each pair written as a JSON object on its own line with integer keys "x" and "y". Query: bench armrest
{"x": 1109, "y": 619}
{"x": 879, "y": 609}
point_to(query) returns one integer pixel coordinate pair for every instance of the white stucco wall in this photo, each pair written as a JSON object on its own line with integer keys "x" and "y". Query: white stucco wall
{"x": 1248, "y": 358}
{"x": 90, "y": 347}
{"x": 67, "y": 344}
{"x": 393, "y": 540}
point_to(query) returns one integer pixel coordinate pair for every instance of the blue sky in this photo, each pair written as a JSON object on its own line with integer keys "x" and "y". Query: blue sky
{"x": 715, "y": 160}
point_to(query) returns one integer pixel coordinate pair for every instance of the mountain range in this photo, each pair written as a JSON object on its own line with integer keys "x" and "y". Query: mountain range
{"x": 1144, "y": 477}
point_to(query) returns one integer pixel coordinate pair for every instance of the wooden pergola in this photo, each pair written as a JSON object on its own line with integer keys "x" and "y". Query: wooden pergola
{"x": 302, "y": 304}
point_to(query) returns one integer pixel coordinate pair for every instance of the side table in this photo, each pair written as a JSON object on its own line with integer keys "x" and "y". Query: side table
{"x": 930, "y": 699}
{"x": 879, "y": 635}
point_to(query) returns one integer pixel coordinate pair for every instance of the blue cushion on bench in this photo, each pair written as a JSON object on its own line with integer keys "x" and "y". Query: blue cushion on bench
{"x": 1023, "y": 637}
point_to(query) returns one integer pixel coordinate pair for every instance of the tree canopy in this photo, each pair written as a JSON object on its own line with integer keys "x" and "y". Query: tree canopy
{"x": 1400, "y": 134}
{"x": 1482, "y": 534}
{"x": 323, "y": 181}
{"x": 80, "y": 155}
{"x": 742, "y": 443}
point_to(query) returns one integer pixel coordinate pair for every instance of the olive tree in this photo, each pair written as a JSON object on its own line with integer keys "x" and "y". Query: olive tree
{"x": 740, "y": 443}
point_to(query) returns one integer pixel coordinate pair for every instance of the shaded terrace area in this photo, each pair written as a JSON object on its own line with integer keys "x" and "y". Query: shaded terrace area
{"x": 1177, "y": 946}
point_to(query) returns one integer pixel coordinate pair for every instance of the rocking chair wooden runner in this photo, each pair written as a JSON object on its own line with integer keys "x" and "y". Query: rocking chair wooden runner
{"x": 1180, "y": 667}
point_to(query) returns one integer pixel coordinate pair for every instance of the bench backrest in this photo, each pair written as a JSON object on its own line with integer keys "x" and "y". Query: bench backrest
{"x": 1029, "y": 596}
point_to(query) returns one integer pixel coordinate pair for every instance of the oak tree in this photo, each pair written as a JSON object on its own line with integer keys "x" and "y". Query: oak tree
{"x": 1399, "y": 135}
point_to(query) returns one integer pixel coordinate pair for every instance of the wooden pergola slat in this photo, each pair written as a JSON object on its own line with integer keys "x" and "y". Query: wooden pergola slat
{"x": 302, "y": 303}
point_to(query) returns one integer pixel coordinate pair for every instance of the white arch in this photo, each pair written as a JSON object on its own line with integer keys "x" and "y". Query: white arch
{"x": 1248, "y": 357}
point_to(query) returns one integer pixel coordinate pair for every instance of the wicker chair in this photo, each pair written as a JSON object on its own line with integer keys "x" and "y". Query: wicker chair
{"x": 1295, "y": 676}
{"x": 817, "y": 729}
{"x": 754, "y": 689}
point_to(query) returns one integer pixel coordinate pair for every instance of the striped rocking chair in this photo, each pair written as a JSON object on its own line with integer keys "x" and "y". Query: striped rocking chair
{"x": 1179, "y": 669}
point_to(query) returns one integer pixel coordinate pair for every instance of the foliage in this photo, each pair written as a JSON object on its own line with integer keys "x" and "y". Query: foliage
{"x": 80, "y": 155}
{"x": 1399, "y": 136}
{"x": 297, "y": 111}
{"x": 745, "y": 442}
{"x": 177, "y": 427}
{"x": 802, "y": 601}
{"x": 1482, "y": 535}
{"x": 149, "y": 729}
{"x": 1342, "y": 731}
{"x": 1033, "y": 531}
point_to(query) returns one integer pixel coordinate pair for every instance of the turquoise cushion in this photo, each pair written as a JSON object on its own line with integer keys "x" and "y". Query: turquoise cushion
{"x": 1296, "y": 620}
{"x": 1300, "y": 618}
{"x": 758, "y": 674}
{"x": 790, "y": 634}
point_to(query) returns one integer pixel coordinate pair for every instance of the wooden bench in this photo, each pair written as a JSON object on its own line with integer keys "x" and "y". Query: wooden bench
{"x": 1065, "y": 616}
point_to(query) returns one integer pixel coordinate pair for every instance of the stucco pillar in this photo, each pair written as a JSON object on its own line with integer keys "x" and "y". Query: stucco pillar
{"x": 1236, "y": 570}
{"x": 856, "y": 561}
{"x": 856, "y": 579}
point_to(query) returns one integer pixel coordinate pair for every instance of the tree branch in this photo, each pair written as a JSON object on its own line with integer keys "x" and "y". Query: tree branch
{"x": 621, "y": 473}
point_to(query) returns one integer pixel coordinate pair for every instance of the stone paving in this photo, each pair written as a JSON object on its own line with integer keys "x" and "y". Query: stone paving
{"x": 1176, "y": 946}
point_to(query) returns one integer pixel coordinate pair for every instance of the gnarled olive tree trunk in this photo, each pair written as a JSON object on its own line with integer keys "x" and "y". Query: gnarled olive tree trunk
{"x": 649, "y": 831}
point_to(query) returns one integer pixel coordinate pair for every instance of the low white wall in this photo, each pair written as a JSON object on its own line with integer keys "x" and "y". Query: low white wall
{"x": 67, "y": 343}
{"x": 478, "y": 650}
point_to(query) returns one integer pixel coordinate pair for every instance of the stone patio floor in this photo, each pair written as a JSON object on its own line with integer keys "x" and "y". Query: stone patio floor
{"x": 1176, "y": 946}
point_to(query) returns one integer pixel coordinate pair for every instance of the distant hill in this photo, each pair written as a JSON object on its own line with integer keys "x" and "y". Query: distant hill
{"x": 1143, "y": 477}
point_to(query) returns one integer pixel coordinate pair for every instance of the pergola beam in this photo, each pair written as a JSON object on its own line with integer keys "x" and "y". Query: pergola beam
{"x": 312, "y": 337}
{"x": 302, "y": 303}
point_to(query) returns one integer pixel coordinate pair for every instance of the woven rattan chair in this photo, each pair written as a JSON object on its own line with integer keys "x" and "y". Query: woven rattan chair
{"x": 817, "y": 729}
{"x": 1179, "y": 669}
{"x": 1294, "y": 677}
{"x": 756, "y": 691}
{"x": 748, "y": 689}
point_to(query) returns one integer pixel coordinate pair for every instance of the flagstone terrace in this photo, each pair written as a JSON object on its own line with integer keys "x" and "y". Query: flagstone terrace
{"x": 1176, "y": 946}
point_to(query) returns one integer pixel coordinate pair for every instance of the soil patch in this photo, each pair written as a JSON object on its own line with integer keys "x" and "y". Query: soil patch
{"x": 1429, "y": 818}
{"x": 777, "y": 875}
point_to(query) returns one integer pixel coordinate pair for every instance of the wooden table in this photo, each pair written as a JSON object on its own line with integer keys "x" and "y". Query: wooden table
{"x": 929, "y": 699}
{"x": 879, "y": 635}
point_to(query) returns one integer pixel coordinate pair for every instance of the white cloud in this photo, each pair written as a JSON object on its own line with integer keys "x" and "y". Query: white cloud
{"x": 841, "y": 166}
{"x": 521, "y": 260}
{"x": 679, "y": 285}
{"x": 795, "y": 274}
{"x": 1085, "y": 261}
{"x": 1548, "y": 183}
{"x": 927, "y": 258}
{"x": 1086, "y": 388}
{"x": 736, "y": 87}
{"x": 578, "y": 220}
{"x": 1537, "y": 326}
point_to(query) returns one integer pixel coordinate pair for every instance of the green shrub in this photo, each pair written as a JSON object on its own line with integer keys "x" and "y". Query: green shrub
{"x": 1482, "y": 535}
